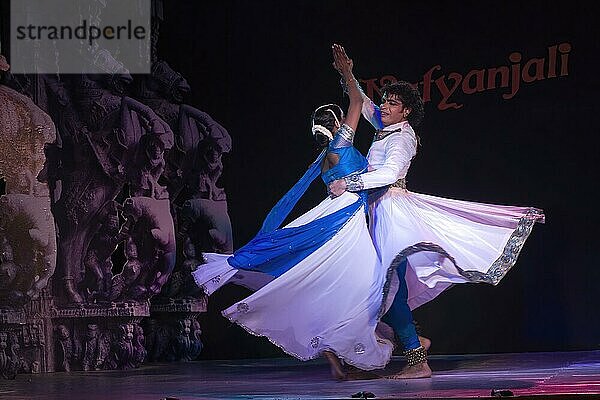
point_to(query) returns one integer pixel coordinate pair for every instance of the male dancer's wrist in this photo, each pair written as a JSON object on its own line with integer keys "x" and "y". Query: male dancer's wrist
{"x": 354, "y": 183}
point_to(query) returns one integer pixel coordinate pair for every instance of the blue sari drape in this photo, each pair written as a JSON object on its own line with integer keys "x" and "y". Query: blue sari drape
{"x": 274, "y": 251}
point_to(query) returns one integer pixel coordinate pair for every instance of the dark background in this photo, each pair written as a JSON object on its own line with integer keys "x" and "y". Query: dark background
{"x": 261, "y": 67}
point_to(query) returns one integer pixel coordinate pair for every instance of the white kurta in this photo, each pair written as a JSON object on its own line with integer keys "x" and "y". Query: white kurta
{"x": 446, "y": 241}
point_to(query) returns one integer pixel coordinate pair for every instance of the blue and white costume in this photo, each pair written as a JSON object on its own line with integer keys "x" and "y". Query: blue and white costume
{"x": 328, "y": 281}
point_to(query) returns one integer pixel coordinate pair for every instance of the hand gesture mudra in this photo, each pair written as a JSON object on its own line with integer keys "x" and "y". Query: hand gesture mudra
{"x": 341, "y": 62}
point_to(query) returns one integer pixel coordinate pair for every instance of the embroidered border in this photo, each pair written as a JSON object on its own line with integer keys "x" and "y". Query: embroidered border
{"x": 400, "y": 183}
{"x": 401, "y": 257}
{"x": 495, "y": 273}
{"x": 511, "y": 250}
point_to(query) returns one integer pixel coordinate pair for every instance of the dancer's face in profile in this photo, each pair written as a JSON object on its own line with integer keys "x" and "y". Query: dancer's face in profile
{"x": 392, "y": 110}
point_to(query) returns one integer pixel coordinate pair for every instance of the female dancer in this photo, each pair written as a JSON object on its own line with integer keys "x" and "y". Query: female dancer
{"x": 327, "y": 286}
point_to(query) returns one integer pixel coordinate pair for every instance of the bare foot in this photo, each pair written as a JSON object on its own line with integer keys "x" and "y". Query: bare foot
{"x": 357, "y": 374}
{"x": 420, "y": 370}
{"x": 337, "y": 371}
{"x": 425, "y": 342}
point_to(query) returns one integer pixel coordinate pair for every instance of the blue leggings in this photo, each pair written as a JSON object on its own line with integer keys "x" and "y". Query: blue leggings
{"x": 399, "y": 316}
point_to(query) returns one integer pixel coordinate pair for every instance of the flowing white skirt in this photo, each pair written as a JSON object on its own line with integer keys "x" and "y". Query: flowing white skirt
{"x": 445, "y": 241}
{"x": 328, "y": 301}
{"x": 332, "y": 299}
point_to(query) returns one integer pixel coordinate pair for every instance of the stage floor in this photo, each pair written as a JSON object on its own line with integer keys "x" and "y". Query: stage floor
{"x": 459, "y": 376}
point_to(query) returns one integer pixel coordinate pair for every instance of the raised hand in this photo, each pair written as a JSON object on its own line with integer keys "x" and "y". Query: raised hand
{"x": 341, "y": 62}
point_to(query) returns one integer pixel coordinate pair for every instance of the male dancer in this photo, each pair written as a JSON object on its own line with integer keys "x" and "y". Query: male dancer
{"x": 390, "y": 155}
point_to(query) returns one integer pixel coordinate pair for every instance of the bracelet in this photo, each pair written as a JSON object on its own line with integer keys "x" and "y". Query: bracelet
{"x": 344, "y": 85}
{"x": 354, "y": 183}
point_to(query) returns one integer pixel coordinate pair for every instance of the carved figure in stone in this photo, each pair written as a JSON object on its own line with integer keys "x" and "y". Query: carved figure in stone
{"x": 148, "y": 167}
{"x": 196, "y": 343}
{"x": 83, "y": 178}
{"x": 4, "y": 357}
{"x": 35, "y": 367}
{"x": 8, "y": 270}
{"x": 153, "y": 234}
{"x": 25, "y": 130}
{"x": 181, "y": 340}
{"x": 164, "y": 90}
{"x": 208, "y": 224}
{"x": 156, "y": 339}
{"x": 33, "y": 334}
{"x": 126, "y": 284}
{"x": 27, "y": 229}
{"x": 194, "y": 166}
{"x": 97, "y": 284}
{"x": 15, "y": 349}
{"x": 8, "y": 358}
{"x": 95, "y": 349}
{"x": 205, "y": 211}
{"x": 185, "y": 343}
{"x": 123, "y": 349}
{"x": 100, "y": 131}
{"x": 98, "y": 98}
{"x": 67, "y": 349}
{"x": 210, "y": 152}
{"x": 27, "y": 235}
{"x": 139, "y": 345}
{"x": 181, "y": 284}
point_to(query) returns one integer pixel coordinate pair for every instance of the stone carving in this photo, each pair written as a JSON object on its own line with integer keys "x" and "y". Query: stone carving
{"x": 151, "y": 247}
{"x": 128, "y": 350}
{"x": 28, "y": 243}
{"x": 156, "y": 338}
{"x": 126, "y": 281}
{"x": 9, "y": 363}
{"x": 92, "y": 347}
{"x": 27, "y": 235}
{"x": 96, "y": 347}
{"x": 97, "y": 282}
{"x": 181, "y": 285}
{"x": 139, "y": 345}
{"x": 108, "y": 140}
{"x": 68, "y": 348}
{"x": 174, "y": 337}
{"x": 123, "y": 169}
{"x": 123, "y": 349}
{"x": 186, "y": 344}
{"x": 194, "y": 166}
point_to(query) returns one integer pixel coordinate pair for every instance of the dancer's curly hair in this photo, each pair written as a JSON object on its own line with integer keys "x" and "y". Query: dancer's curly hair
{"x": 410, "y": 97}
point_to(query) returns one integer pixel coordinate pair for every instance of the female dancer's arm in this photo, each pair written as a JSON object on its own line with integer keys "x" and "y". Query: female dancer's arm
{"x": 343, "y": 64}
{"x": 370, "y": 110}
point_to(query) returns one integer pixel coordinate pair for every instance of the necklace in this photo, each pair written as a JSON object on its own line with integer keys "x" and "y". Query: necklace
{"x": 383, "y": 134}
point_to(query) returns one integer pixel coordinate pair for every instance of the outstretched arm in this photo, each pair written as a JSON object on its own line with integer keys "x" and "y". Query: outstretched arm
{"x": 343, "y": 64}
{"x": 369, "y": 110}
